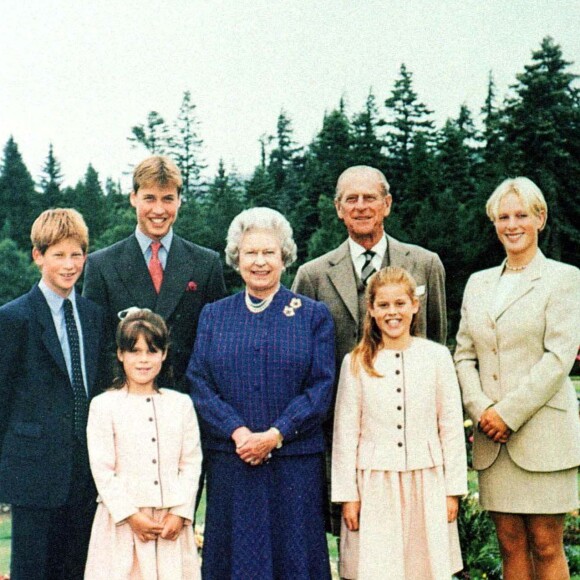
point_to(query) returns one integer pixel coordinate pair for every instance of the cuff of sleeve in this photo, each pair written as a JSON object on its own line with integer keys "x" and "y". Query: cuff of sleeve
{"x": 285, "y": 428}
{"x": 504, "y": 414}
{"x": 183, "y": 511}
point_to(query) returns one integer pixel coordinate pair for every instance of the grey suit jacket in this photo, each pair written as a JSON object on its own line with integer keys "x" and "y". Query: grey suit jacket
{"x": 331, "y": 278}
{"x": 518, "y": 359}
{"x": 117, "y": 278}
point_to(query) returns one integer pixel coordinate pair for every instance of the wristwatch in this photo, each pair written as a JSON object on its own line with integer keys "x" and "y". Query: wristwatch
{"x": 280, "y": 437}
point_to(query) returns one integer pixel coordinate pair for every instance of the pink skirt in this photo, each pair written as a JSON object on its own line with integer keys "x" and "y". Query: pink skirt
{"x": 403, "y": 529}
{"x": 115, "y": 553}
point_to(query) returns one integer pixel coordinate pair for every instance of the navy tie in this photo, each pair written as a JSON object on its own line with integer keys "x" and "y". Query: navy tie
{"x": 368, "y": 269}
{"x": 80, "y": 395}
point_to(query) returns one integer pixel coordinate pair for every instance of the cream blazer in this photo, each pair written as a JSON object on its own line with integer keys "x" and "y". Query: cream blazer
{"x": 144, "y": 452}
{"x": 518, "y": 359}
{"x": 410, "y": 418}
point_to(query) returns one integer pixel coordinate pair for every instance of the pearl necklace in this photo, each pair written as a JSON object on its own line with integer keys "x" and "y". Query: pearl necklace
{"x": 257, "y": 307}
{"x": 515, "y": 268}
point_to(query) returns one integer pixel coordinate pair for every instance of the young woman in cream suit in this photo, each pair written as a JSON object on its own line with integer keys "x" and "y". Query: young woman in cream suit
{"x": 145, "y": 457}
{"x": 398, "y": 460}
{"x": 518, "y": 337}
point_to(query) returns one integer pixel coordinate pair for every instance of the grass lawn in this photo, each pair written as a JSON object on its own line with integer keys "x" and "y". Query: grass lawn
{"x": 4, "y": 544}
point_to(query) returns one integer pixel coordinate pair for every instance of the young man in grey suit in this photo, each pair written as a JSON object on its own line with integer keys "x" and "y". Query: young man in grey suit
{"x": 154, "y": 268}
{"x": 338, "y": 278}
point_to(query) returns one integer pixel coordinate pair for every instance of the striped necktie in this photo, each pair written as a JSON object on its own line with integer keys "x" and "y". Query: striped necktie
{"x": 368, "y": 269}
{"x": 80, "y": 395}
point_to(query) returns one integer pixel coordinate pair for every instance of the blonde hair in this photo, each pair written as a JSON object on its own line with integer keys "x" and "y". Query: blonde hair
{"x": 528, "y": 193}
{"x": 53, "y": 226}
{"x": 365, "y": 352}
{"x": 157, "y": 170}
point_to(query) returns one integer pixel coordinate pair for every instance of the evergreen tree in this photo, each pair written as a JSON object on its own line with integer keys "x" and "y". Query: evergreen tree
{"x": 327, "y": 157}
{"x": 17, "y": 272}
{"x": 90, "y": 202}
{"x": 260, "y": 189}
{"x": 18, "y": 203}
{"x": 366, "y": 147}
{"x": 152, "y": 135}
{"x": 408, "y": 117}
{"x": 282, "y": 155}
{"x": 185, "y": 146}
{"x": 542, "y": 142}
{"x": 51, "y": 181}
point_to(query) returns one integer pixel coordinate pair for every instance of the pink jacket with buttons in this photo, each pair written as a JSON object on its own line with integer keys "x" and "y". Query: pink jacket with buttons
{"x": 144, "y": 452}
{"x": 410, "y": 418}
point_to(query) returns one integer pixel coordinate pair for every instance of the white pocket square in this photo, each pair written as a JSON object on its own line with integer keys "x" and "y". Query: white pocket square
{"x": 420, "y": 290}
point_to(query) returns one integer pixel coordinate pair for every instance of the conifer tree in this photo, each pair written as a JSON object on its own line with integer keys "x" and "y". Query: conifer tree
{"x": 153, "y": 135}
{"x": 407, "y": 117}
{"x": 542, "y": 142}
{"x": 18, "y": 199}
{"x": 51, "y": 181}
{"x": 185, "y": 146}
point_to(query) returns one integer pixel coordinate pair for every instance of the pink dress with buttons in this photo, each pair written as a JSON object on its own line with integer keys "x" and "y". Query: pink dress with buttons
{"x": 145, "y": 456}
{"x": 398, "y": 448}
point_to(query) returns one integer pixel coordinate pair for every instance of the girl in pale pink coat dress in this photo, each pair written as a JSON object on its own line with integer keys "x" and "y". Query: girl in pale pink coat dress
{"x": 145, "y": 457}
{"x": 398, "y": 458}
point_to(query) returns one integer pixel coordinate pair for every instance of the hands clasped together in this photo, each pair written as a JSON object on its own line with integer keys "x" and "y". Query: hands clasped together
{"x": 255, "y": 448}
{"x": 146, "y": 528}
{"x": 492, "y": 425}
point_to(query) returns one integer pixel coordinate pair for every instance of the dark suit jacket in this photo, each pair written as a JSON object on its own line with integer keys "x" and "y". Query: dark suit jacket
{"x": 37, "y": 401}
{"x": 117, "y": 278}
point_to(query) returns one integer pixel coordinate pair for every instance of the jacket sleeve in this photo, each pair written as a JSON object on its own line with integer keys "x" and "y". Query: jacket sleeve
{"x": 189, "y": 461}
{"x": 450, "y": 426}
{"x": 561, "y": 339}
{"x": 217, "y": 416}
{"x": 347, "y": 430}
{"x": 102, "y": 454}
{"x": 310, "y": 407}
{"x": 474, "y": 399}
{"x": 216, "y": 283}
{"x": 436, "y": 302}
{"x": 14, "y": 332}
{"x": 303, "y": 284}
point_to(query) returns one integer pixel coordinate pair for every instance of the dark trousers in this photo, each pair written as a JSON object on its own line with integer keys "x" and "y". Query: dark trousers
{"x": 52, "y": 544}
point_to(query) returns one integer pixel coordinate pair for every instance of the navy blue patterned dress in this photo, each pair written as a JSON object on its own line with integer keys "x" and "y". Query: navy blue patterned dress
{"x": 271, "y": 369}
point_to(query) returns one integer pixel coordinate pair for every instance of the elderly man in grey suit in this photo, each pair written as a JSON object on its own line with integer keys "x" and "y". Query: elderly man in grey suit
{"x": 338, "y": 278}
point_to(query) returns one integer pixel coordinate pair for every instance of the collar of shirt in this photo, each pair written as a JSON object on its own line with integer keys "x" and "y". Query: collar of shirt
{"x": 55, "y": 300}
{"x": 145, "y": 245}
{"x": 358, "y": 259}
{"x": 55, "y": 303}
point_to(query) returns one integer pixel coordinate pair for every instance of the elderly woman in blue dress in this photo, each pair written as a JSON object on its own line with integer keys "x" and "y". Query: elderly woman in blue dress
{"x": 261, "y": 377}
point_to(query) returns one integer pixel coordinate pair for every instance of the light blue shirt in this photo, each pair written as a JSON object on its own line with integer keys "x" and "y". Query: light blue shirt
{"x": 145, "y": 245}
{"x": 56, "y": 305}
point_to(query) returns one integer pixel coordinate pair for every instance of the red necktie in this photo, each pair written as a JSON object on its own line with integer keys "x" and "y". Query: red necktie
{"x": 155, "y": 267}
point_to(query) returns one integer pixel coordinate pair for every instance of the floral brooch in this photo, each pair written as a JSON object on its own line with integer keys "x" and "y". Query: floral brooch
{"x": 290, "y": 309}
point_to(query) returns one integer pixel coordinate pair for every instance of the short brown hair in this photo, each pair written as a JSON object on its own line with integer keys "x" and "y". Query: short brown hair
{"x": 157, "y": 170}
{"x": 55, "y": 225}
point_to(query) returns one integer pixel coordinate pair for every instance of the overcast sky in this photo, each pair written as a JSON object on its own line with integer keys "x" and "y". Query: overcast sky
{"x": 80, "y": 74}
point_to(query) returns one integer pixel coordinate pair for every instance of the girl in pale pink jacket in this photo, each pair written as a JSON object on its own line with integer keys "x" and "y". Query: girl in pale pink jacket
{"x": 398, "y": 458}
{"x": 145, "y": 457}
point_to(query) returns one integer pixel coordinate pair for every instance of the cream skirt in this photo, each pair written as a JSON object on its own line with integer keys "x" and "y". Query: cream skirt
{"x": 403, "y": 533}
{"x": 115, "y": 553}
{"x": 506, "y": 487}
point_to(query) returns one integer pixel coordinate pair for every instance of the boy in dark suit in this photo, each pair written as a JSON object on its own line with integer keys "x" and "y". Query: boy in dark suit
{"x": 49, "y": 370}
{"x": 156, "y": 269}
